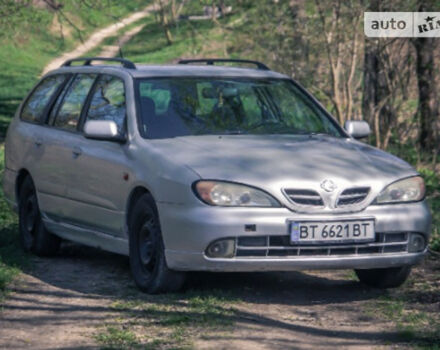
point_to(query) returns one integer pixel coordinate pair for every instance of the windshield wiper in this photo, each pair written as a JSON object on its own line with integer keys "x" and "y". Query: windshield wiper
{"x": 314, "y": 133}
{"x": 231, "y": 132}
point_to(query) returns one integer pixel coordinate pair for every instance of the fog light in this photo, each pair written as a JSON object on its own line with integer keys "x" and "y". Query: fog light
{"x": 416, "y": 243}
{"x": 223, "y": 248}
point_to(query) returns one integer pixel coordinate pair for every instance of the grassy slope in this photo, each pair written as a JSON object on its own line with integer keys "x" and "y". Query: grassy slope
{"x": 25, "y": 51}
{"x": 35, "y": 40}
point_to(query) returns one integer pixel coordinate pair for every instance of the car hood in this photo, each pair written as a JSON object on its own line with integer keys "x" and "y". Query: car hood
{"x": 273, "y": 162}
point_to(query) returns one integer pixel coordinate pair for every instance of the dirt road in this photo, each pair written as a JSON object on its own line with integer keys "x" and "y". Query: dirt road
{"x": 85, "y": 298}
{"x": 98, "y": 37}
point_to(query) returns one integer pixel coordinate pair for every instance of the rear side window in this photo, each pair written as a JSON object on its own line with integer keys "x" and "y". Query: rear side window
{"x": 69, "y": 111}
{"x": 35, "y": 105}
{"x": 108, "y": 101}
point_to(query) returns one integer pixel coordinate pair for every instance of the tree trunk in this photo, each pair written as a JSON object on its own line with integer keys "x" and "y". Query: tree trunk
{"x": 428, "y": 106}
{"x": 174, "y": 10}
{"x": 165, "y": 23}
{"x": 371, "y": 68}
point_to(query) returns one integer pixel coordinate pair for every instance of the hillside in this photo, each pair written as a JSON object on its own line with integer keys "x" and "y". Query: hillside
{"x": 35, "y": 34}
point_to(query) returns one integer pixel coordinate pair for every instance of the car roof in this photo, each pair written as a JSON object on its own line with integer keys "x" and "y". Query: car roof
{"x": 202, "y": 71}
{"x": 177, "y": 70}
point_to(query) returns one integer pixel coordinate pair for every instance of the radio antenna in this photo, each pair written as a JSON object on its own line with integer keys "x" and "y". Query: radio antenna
{"x": 121, "y": 54}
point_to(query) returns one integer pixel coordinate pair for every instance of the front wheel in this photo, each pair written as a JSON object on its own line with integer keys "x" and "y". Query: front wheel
{"x": 147, "y": 253}
{"x": 384, "y": 278}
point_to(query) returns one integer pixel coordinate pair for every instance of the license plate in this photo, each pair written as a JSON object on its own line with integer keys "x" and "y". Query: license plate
{"x": 332, "y": 231}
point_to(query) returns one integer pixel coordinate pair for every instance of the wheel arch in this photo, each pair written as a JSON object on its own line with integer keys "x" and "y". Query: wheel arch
{"x": 134, "y": 196}
{"x": 22, "y": 175}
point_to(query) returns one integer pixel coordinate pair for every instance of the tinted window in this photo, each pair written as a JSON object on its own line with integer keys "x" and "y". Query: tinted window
{"x": 159, "y": 93}
{"x": 108, "y": 101}
{"x": 35, "y": 105}
{"x": 69, "y": 111}
{"x": 199, "y": 106}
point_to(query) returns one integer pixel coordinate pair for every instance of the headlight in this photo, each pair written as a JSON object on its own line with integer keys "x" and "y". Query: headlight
{"x": 411, "y": 189}
{"x": 233, "y": 195}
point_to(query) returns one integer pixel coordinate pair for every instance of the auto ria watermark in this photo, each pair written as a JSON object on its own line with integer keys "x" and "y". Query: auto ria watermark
{"x": 402, "y": 24}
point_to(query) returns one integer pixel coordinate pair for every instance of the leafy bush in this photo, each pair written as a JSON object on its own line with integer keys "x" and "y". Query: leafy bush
{"x": 432, "y": 182}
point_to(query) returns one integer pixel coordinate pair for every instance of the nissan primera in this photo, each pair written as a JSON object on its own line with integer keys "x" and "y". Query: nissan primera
{"x": 204, "y": 167}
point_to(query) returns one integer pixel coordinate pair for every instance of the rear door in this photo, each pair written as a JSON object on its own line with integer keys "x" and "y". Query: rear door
{"x": 32, "y": 138}
{"x": 99, "y": 172}
{"x": 62, "y": 136}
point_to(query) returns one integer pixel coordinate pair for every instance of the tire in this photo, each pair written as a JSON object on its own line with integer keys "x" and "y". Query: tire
{"x": 34, "y": 236}
{"x": 147, "y": 253}
{"x": 384, "y": 278}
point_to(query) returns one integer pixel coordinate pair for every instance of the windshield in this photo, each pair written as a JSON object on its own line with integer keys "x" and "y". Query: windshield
{"x": 219, "y": 106}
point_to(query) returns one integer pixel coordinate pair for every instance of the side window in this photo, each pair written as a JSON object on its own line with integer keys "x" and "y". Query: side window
{"x": 72, "y": 103}
{"x": 34, "y": 108}
{"x": 108, "y": 101}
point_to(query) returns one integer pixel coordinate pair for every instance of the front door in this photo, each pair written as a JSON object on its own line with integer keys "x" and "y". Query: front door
{"x": 99, "y": 172}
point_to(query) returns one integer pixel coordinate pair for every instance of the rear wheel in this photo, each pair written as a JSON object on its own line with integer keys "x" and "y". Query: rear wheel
{"x": 34, "y": 236}
{"x": 384, "y": 278}
{"x": 147, "y": 253}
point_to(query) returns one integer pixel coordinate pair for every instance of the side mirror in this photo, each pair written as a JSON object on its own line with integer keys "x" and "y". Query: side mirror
{"x": 102, "y": 130}
{"x": 358, "y": 129}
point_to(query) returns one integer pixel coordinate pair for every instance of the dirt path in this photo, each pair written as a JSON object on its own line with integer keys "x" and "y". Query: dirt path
{"x": 96, "y": 38}
{"x": 64, "y": 301}
{"x": 61, "y": 302}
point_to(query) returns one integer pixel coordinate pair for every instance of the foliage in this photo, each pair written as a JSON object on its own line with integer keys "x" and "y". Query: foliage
{"x": 432, "y": 182}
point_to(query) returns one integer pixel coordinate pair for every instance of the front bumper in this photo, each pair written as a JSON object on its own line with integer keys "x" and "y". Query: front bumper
{"x": 199, "y": 262}
{"x": 187, "y": 232}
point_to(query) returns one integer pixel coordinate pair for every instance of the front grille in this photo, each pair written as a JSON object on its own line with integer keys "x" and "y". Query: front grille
{"x": 352, "y": 196}
{"x": 304, "y": 197}
{"x": 279, "y": 246}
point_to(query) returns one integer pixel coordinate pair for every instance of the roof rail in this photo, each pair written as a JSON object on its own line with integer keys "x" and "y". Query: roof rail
{"x": 87, "y": 60}
{"x": 211, "y": 61}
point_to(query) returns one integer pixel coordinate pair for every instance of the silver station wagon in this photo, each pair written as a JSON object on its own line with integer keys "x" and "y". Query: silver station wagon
{"x": 205, "y": 167}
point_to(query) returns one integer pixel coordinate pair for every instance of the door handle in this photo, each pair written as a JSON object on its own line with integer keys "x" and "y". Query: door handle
{"x": 38, "y": 142}
{"x": 76, "y": 152}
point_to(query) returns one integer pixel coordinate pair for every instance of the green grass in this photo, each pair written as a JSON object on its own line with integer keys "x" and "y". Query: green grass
{"x": 114, "y": 337}
{"x": 408, "y": 308}
{"x": 191, "y": 39}
{"x": 167, "y": 321}
{"x": 12, "y": 257}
